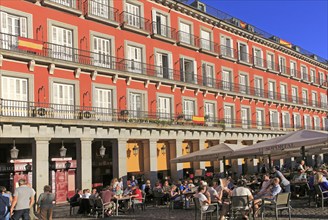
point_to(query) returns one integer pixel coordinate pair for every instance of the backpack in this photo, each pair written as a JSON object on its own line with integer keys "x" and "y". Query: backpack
{"x": 4, "y": 206}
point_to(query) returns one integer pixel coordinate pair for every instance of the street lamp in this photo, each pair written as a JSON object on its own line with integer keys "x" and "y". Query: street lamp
{"x": 102, "y": 150}
{"x": 14, "y": 151}
{"x": 163, "y": 149}
{"x": 135, "y": 150}
{"x": 62, "y": 150}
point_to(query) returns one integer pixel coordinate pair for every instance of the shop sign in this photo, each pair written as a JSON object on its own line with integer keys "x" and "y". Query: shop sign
{"x": 7, "y": 168}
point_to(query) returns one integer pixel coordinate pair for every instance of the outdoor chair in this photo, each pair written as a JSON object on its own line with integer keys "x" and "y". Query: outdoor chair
{"x": 311, "y": 193}
{"x": 239, "y": 204}
{"x": 281, "y": 202}
{"x": 172, "y": 201}
{"x": 72, "y": 206}
{"x": 198, "y": 209}
{"x": 158, "y": 197}
{"x": 320, "y": 198}
{"x": 99, "y": 208}
{"x": 136, "y": 203}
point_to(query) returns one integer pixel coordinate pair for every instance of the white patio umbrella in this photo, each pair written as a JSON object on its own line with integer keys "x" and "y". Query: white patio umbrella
{"x": 215, "y": 152}
{"x": 286, "y": 143}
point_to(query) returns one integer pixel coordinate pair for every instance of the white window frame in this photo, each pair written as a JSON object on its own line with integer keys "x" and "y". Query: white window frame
{"x": 295, "y": 98}
{"x": 304, "y": 75}
{"x": 227, "y": 85}
{"x": 106, "y": 61}
{"x": 270, "y": 65}
{"x": 206, "y": 44}
{"x": 191, "y": 112}
{"x": 135, "y": 66}
{"x": 272, "y": 94}
{"x": 245, "y": 122}
{"x": 184, "y": 36}
{"x": 321, "y": 78}
{"x": 159, "y": 70}
{"x": 243, "y": 88}
{"x": 144, "y": 103}
{"x": 211, "y": 116}
{"x": 284, "y": 96}
{"x": 258, "y": 91}
{"x": 164, "y": 115}
{"x": 225, "y": 50}
{"x": 240, "y": 57}
{"x": 258, "y": 61}
{"x": 161, "y": 29}
{"x": 104, "y": 114}
{"x": 183, "y": 71}
{"x": 209, "y": 81}
{"x": 134, "y": 20}
{"x": 282, "y": 68}
{"x": 307, "y": 121}
{"x": 316, "y": 122}
{"x": 293, "y": 71}
{"x": 229, "y": 123}
{"x": 285, "y": 124}
{"x": 313, "y": 77}
{"x": 274, "y": 125}
{"x": 260, "y": 123}
{"x": 305, "y": 100}
{"x": 297, "y": 124}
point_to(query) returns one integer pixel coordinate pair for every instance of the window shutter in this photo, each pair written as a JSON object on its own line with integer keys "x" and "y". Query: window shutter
{"x": 23, "y": 27}
{"x": 4, "y": 22}
{"x": 205, "y": 80}
{"x": 195, "y": 72}
{"x": 154, "y": 21}
{"x": 4, "y": 92}
{"x": 182, "y": 70}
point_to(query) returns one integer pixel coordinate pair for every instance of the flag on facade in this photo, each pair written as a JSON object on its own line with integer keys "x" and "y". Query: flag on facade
{"x": 285, "y": 43}
{"x": 30, "y": 45}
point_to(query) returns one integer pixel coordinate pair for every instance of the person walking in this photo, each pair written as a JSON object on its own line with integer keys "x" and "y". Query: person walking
{"x": 4, "y": 204}
{"x": 22, "y": 201}
{"x": 45, "y": 202}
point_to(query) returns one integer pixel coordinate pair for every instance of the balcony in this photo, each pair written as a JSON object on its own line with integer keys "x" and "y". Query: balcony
{"x": 259, "y": 62}
{"x": 305, "y": 77}
{"x": 188, "y": 40}
{"x": 272, "y": 67}
{"x": 163, "y": 32}
{"x": 73, "y": 58}
{"x": 283, "y": 70}
{"x": 72, "y": 6}
{"x": 293, "y": 73}
{"x": 228, "y": 53}
{"x": 135, "y": 23}
{"x": 244, "y": 58}
{"x": 208, "y": 47}
{"x": 101, "y": 12}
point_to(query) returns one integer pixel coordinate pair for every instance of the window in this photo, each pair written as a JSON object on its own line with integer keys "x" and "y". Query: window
{"x": 307, "y": 122}
{"x": 14, "y": 91}
{"x": 245, "y": 117}
{"x": 228, "y": 116}
{"x": 160, "y": 24}
{"x": 164, "y": 107}
{"x": 208, "y": 75}
{"x": 62, "y": 43}
{"x": 258, "y": 86}
{"x": 321, "y": 78}
{"x": 294, "y": 95}
{"x": 227, "y": 80}
{"x": 63, "y": 98}
{"x": 259, "y": 118}
{"x": 304, "y": 96}
{"x": 293, "y": 68}
{"x": 325, "y": 123}
{"x": 134, "y": 59}
{"x": 163, "y": 61}
{"x": 297, "y": 121}
{"x": 270, "y": 61}
{"x": 274, "y": 120}
{"x": 226, "y": 47}
{"x": 272, "y": 90}
{"x": 188, "y": 70}
{"x": 323, "y": 99}
{"x": 243, "y": 83}
{"x": 185, "y": 33}
{"x": 285, "y": 120}
{"x": 209, "y": 111}
{"x": 102, "y": 52}
{"x": 314, "y": 99}
{"x": 68, "y": 3}
{"x": 313, "y": 75}
{"x": 101, "y": 8}
{"x": 304, "y": 73}
{"x": 11, "y": 27}
{"x": 283, "y": 92}
{"x": 282, "y": 64}
{"x": 243, "y": 52}
{"x": 188, "y": 109}
{"x": 316, "y": 121}
{"x": 205, "y": 40}
{"x": 136, "y": 107}
{"x": 103, "y": 103}
{"x": 132, "y": 16}
{"x": 258, "y": 60}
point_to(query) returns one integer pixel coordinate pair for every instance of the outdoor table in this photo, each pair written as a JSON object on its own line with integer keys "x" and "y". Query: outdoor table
{"x": 121, "y": 199}
{"x": 84, "y": 206}
{"x": 186, "y": 196}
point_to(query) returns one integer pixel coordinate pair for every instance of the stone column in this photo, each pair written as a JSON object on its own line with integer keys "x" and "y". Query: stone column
{"x": 119, "y": 158}
{"x": 201, "y": 146}
{"x": 176, "y": 151}
{"x": 150, "y": 159}
{"x": 319, "y": 160}
{"x": 40, "y": 166}
{"x": 217, "y": 164}
{"x": 84, "y": 163}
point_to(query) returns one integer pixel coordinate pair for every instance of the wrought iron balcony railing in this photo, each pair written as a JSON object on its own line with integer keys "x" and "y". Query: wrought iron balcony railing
{"x": 135, "y": 21}
{"x": 164, "y": 30}
{"x": 208, "y": 45}
{"x": 14, "y": 108}
{"x": 74, "y": 4}
{"x": 99, "y": 10}
{"x": 69, "y": 54}
{"x": 228, "y": 52}
{"x": 187, "y": 38}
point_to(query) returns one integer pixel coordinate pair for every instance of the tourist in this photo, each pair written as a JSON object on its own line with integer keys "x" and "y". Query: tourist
{"x": 86, "y": 194}
{"x": 45, "y": 202}
{"x": 4, "y": 204}
{"x": 106, "y": 196}
{"x": 205, "y": 200}
{"x": 323, "y": 183}
{"x": 22, "y": 201}
{"x": 215, "y": 198}
{"x": 242, "y": 190}
{"x": 284, "y": 182}
{"x": 265, "y": 186}
{"x": 94, "y": 194}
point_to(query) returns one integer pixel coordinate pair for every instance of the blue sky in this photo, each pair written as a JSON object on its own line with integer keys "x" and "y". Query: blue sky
{"x": 303, "y": 23}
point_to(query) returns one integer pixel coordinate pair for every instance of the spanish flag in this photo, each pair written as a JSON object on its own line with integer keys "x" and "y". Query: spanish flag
{"x": 30, "y": 45}
{"x": 285, "y": 43}
{"x": 198, "y": 119}
{"x": 242, "y": 24}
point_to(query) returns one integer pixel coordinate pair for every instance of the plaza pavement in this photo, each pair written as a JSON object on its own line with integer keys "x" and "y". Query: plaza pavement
{"x": 300, "y": 211}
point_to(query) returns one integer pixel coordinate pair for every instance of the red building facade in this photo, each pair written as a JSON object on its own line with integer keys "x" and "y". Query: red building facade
{"x": 149, "y": 80}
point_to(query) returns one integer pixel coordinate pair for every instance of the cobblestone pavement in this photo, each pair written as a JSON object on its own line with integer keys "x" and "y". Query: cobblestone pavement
{"x": 300, "y": 211}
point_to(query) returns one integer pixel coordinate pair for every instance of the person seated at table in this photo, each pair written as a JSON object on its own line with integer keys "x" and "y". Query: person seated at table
{"x": 136, "y": 195}
{"x": 230, "y": 184}
{"x": 183, "y": 187}
{"x": 107, "y": 195}
{"x": 323, "y": 183}
{"x": 265, "y": 186}
{"x": 175, "y": 193}
{"x": 166, "y": 190}
{"x": 75, "y": 200}
{"x": 215, "y": 198}
{"x": 158, "y": 192}
{"x": 204, "y": 199}
{"x": 148, "y": 190}
{"x": 242, "y": 190}
{"x": 86, "y": 194}
{"x": 284, "y": 182}
{"x": 118, "y": 190}
{"x": 113, "y": 184}
{"x": 94, "y": 194}
{"x": 128, "y": 190}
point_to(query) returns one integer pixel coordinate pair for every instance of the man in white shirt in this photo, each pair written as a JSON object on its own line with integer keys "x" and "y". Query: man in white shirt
{"x": 213, "y": 193}
{"x": 204, "y": 201}
{"x": 242, "y": 190}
